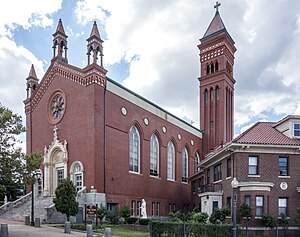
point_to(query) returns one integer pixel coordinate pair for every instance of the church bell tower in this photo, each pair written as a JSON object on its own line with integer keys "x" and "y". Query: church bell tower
{"x": 216, "y": 84}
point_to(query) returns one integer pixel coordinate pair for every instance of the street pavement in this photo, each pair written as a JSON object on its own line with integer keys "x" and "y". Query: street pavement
{"x": 19, "y": 229}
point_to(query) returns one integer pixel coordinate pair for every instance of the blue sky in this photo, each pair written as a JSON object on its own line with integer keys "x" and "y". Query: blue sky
{"x": 151, "y": 48}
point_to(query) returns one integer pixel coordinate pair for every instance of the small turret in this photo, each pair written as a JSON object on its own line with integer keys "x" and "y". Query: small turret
{"x": 32, "y": 82}
{"x": 60, "y": 41}
{"x": 95, "y": 45}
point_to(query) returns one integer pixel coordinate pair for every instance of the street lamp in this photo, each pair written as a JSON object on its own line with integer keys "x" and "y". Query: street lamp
{"x": 234, "y": 185}
{"x": 35, "y": 176}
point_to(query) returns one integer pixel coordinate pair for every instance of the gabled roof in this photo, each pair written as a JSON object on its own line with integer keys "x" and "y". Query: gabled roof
{"x": 265, "y": 133}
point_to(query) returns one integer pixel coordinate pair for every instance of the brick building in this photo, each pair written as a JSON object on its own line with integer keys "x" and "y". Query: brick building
{"x": 119, "y": 148}
{"x": 116, "y": 146}
{"x": 265, "y": 161}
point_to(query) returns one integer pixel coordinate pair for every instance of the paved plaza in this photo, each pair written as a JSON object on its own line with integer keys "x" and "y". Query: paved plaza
{"x": 19, "y": 229}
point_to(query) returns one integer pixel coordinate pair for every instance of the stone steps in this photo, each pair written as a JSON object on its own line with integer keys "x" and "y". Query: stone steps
{"x": 20, "y": 211}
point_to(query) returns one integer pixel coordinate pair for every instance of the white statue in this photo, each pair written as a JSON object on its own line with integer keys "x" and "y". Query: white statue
{"x": 5, "y": 199}
{"x": 144, "y": 209}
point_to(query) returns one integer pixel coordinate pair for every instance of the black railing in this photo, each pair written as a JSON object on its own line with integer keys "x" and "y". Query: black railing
{"x": 210, "y": 188}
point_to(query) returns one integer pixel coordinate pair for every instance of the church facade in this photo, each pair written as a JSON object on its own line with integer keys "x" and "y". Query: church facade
{"x": 119, "y": 148}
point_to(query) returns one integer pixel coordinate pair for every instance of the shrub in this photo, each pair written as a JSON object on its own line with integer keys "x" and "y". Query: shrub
{"x": 297, "y": 219}
{"x": 124, "y": 212}
{"x": 101, "y": 213}
{"x": 219, "y": 215}
{"x": 179, "y": 216}
{"x": 144, "y": 221}
{"x": 131, "y": 220}
{"x": 113, "y": 217}
{"x": 199, "y": 217}
{"x": 245, "y": 211}
{"x": 283, "y": 219}
{"x": 269, "y": 220}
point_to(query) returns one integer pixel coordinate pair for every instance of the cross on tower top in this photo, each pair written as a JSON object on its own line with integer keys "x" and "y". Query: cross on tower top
{"x": 217, "y": 7}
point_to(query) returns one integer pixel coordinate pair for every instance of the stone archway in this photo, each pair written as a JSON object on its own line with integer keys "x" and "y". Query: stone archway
{"x": 55, "y": 164}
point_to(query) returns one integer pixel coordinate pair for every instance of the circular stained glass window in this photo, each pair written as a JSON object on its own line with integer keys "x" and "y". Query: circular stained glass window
{"x": 57, "y": 107}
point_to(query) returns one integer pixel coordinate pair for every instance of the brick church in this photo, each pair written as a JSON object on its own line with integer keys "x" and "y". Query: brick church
{"x": 119, "y": 148}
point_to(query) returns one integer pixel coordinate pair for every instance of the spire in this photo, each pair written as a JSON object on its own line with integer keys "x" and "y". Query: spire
{"x": 32, "y": 72}
{"x": 60, "y": 42}
{"x": 216, "y": 26}
{"x": 95, "y": 45}
{"x": 32, "y": 82}
{"x": 95, "y": 31}
{"x": 60, "y": 28}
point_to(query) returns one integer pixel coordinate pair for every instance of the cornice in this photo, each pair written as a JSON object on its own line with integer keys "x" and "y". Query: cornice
{"x": 84, "y": 79}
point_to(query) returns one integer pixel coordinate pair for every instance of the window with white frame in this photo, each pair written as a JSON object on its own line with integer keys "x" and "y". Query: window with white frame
{"x": 134, "y": 150}
{"x": 197, "y": 162}
{"x": 78, "y": 177}
{"x": 259, "y": 210}
{"x": 76, "y": 172}
{"x": 184, "y": 156}
{"x": 154, "y": 156}
{"x": 282, "y": 206}
{"x": 296, "y": 130}
{"x": 253, "y": 165}
{"x": 171, "y": 161}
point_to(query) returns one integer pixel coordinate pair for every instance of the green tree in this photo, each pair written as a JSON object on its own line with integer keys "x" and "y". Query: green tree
{"x": 32, "y": 163}
{"x": 11, "y": 156}
{"x": 65, "y": 198}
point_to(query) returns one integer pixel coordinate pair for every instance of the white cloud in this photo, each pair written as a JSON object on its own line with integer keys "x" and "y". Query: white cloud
{"x": 15, "y": 64}
{"x": 26, "y": 14}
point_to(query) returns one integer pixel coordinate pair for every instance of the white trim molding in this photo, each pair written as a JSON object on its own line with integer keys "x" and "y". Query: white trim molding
{"x": 255, "y": 186}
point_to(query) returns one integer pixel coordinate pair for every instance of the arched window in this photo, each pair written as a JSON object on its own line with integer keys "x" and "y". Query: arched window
{"x": 184, "y": 155}
{"x": 206, "y": 96}
{"x": 207, "y": 69}
{"x": 171, "y": 161}
{"x": 154, "y": 156}
{"x": 196, "y": 162}
{"x": 211, "y": 92}
{"x": 212, "y": 68}
{"x": 134, "y": 150}
{"x": 217, "y": 93}
{"x": 216, "y": 66}
{"x": 76, "y": 172}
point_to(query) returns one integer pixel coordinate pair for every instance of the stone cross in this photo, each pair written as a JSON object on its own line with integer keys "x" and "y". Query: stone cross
{"x": 55, "y": 136}
{"x": 217, "y": 6}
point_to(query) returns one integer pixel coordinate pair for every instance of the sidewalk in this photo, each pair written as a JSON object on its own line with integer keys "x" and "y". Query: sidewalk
{"x": 19, "y": 229}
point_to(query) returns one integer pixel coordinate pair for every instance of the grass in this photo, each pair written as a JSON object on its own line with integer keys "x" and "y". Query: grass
{"x": 117, "y": 230}
{"x": 123, "y": 231}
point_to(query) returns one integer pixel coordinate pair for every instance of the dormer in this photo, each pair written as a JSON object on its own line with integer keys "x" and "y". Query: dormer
{"x": 289, "y": 126}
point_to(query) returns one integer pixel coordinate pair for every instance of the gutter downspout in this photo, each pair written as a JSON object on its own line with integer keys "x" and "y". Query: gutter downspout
{"x": 104, "y": 139}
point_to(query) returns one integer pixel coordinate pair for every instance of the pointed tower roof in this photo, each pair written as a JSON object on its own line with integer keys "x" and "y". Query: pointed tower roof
{"x": 60, "y": 29}
{"x": 216, "y": 26}
{"x": 32, "y": 72}
{"x": 95, "y": 32}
